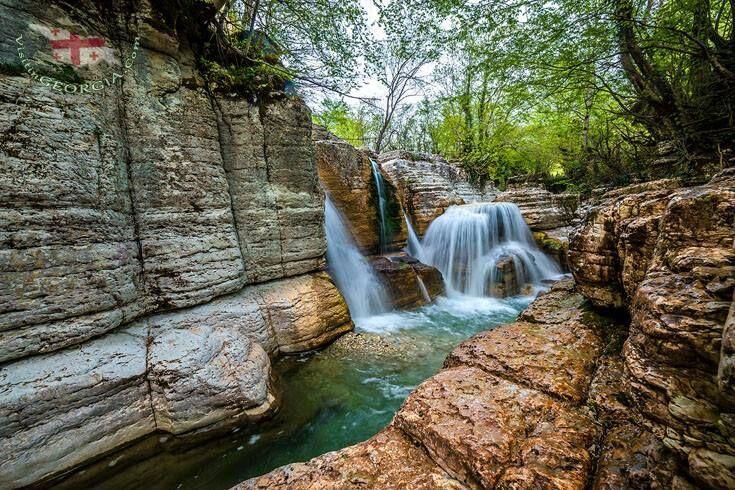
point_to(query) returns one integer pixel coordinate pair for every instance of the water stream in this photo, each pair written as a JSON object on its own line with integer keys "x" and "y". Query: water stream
{"x": 382, "y": 206}
{"x": 351, "y": 271}
{"x": 467, "y": 244}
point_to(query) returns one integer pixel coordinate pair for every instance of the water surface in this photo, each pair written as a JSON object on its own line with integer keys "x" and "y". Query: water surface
{"x": 332, "y": 399}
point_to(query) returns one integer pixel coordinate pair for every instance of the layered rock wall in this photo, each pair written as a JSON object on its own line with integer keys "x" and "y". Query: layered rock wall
{"x": 158, "y": 242}
{"x": 534, "y": 404}
{"x": 666, "y": 253}
{"x": 427, "y": 185}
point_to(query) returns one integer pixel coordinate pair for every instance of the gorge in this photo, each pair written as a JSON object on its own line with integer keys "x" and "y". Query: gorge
{"x": 201, "y": 288}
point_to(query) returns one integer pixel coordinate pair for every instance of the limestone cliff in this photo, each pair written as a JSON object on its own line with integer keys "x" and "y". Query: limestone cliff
{"x": 427, "y": 185}
{"x": 159, "y": 240}
{"x": 666, "y": 253}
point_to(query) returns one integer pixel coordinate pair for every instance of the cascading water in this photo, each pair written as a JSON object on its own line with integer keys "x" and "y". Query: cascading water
{"x": 351, "y": 271}
{"x": 467, "y": 244}
{"x": 414, "y": 242}
{"x": 382, "y": 205}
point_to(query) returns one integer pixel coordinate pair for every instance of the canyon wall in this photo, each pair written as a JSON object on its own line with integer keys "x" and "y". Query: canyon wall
{"x": 666, "y": 254}
{"x": 576, "y": 394}
{"x": 159, "y": 242}
{"x": 426, "y": 185}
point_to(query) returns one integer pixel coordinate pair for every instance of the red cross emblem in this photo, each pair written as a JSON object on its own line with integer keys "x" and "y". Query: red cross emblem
{"x": 74, "y": 44}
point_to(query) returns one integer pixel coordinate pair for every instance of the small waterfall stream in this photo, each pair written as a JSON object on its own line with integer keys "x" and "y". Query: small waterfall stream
{"x": 468, "y": 243}
{"x": 382, "y": 205}
{"x": 351, "y": 271}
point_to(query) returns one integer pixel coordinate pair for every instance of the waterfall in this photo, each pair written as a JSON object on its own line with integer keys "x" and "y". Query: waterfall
{"x": 382, "y": 205}
{"x": 351, "y": 271}
{"x": 471, "y": 244}
{"x": 422, "y": 288}
{"x": 414, "y": 243}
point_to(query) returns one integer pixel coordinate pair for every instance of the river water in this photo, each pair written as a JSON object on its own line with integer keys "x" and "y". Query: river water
{"x": 333, "y": 398}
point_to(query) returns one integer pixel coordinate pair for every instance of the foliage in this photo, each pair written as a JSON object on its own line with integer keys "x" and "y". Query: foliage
{"x": 352, "y": 125}
{"x": 576, "y": 92}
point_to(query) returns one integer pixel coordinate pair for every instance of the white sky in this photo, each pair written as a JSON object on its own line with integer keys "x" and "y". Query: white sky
{"x": 372, "y": 88}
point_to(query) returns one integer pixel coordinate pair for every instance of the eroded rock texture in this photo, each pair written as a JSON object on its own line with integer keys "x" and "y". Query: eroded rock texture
{"x": 159, "y": 241}
{"x": 409, "y": 283}
{"x": 667, "y": 253}
{"x": 541, "y": 209}
{"x": 427, "y": 185}
{"x": 534, "y": 404}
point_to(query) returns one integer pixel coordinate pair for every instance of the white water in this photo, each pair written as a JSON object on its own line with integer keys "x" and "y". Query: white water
{"x": 351, "y": 271}
{"x": 382, "y": 205}
{"x": 422, "y": 288}
{"x": 414, "y": 243}
{"x": 467, "y": 242}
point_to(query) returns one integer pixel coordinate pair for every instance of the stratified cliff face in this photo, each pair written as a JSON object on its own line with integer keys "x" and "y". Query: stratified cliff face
{"x": 533, "y": 404}
{"x": 667, "y": 254}
{"x": 427, "y": 185}
{"x": 543, "y": 210}
{"x": 158, "y": 242}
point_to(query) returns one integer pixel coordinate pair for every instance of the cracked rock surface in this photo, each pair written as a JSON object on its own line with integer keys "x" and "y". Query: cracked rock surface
{"x": 533, "y": 404}
{"x": 159, "y": 242}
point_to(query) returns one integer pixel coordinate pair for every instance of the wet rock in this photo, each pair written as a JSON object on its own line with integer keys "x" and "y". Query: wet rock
{"x": 508, "y": 284}
{"x": 305, "y": 312}
{"x": 607, "y": 269}
{"x": 668, "y": 254}
{"x": 632, "y": 457}
{"x": 404, "y": 279}
{"x": 202, "y": 376}
{"x": 380, "y": 462}
{"x": 62, "y": 409}
{"x": 554, "y": 245}
{"x": 427, "y": 185}
{"x": 346, "y": 174}
{"x": 541, "y": 209}
{"x": 490, "y": 432}
{"x": 558, "y": 359}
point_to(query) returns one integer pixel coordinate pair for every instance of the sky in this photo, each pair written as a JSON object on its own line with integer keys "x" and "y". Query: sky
{"x": 372, "y": 87}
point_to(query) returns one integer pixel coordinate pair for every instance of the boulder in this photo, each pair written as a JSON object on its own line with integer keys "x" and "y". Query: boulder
{"x": 490, "y": 432}
{"x": 408, "y": 282}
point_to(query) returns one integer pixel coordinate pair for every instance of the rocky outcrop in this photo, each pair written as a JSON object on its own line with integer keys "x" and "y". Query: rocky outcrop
{"x": 346, "y": 174}
{"x": 159, "y": 241}
{"x": 409, "y": 283}
{"x": 534, "y": 404}
{"x": 541, "y": 209}
{"x": 427, "y": 185}
{"x": 667, "y": 254}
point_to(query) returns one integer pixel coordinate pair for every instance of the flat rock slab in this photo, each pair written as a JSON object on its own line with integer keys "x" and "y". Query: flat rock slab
{"x": 387, "y": 461}
{"x": 560, "y": 304}
{"x": 558, "y": 359}
{"x": 490, "y": 432}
